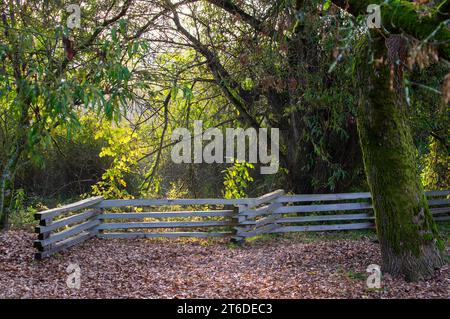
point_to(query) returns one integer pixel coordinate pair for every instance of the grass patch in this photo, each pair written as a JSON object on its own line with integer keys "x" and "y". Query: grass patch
{"x": 332, "y": 235}
{"x": 356, "y": 275}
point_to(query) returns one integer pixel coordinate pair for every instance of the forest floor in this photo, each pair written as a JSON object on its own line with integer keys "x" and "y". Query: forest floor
{"x": 269, "y": 268}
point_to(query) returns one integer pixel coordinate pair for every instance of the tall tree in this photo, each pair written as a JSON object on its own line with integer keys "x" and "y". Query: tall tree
{"x": 409, "y": 240}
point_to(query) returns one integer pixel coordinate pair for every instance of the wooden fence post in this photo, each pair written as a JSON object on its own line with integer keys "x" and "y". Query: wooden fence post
{"x": 240, "y": 228}
{"x": 96, "y": 231}
{"x": 43, "y": 236}
{"x": 76, "y": 227}
{"x": 248, "y": 226}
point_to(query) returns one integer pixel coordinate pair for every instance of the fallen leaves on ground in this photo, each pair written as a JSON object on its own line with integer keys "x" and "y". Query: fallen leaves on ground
{"x": 276, "y": 268}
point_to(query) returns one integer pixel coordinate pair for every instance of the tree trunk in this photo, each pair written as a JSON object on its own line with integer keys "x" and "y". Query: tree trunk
{"x": 17, "y": 150}
{"x": 409, "y": 239}
{"x": 6, "y": 186}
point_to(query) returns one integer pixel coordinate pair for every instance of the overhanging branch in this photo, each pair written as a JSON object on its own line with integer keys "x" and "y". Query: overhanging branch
{"x": 402, "y": 16}
{"x": 233, "y": 91}
{"x": 233, "y": 9}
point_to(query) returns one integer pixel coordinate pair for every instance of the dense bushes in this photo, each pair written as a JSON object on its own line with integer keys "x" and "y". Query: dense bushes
{"x": 68, "y": 166}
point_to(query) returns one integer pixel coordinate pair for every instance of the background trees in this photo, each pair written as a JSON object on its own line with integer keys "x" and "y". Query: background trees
{"x": 271, "y": 65}
{"x": 49, "y": 72}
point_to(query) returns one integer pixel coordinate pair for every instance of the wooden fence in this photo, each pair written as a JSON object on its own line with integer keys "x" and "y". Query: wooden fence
{"x": 63, "y": 227}
{"x": 280, "y": 213}
{"x": 66, "y": 231}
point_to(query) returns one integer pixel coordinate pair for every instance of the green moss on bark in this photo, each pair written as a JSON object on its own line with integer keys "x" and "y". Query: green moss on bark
{"x": 408, "y": 236}
{"x": 403, "y": 16}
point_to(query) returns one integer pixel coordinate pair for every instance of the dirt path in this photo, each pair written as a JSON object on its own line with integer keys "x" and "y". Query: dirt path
{"x": 174, "y": 269}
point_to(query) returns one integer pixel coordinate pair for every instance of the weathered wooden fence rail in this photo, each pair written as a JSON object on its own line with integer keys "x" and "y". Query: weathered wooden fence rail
{"x": 67, "y": 231}
{"x": 300, "y": 213}
{"x": 64, "y": 227}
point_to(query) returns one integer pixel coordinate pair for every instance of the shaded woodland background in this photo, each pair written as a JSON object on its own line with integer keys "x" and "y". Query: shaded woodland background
{"x": 152, "y": 66}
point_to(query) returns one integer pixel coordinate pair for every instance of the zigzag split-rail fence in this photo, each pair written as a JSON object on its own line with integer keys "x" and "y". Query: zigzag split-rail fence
{"x": 63, "y": 227}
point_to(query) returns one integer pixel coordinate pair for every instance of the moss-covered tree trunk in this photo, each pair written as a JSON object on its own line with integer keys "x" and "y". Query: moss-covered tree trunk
{"x": 408, "y": 236}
